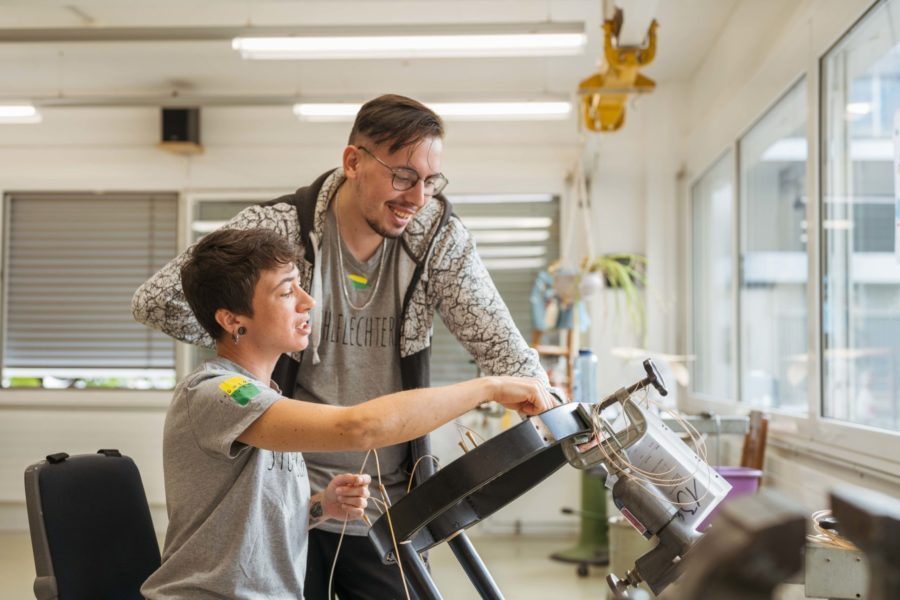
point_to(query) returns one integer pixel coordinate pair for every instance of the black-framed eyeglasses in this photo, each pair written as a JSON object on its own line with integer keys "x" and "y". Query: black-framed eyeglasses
{"x": 405, "y": 178}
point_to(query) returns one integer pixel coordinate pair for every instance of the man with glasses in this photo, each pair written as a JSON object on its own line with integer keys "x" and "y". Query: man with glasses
{"x": 382, "y": 251}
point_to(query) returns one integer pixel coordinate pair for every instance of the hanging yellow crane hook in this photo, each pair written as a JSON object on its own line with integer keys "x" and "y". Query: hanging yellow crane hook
{"x": 603, "y": 94}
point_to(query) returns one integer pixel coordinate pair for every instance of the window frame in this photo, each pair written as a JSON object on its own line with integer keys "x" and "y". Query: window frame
{"x": 17, "y": 395}
{"x": 69, "y": 399}
{"x": 739, "y": 227}
{"x": 689, "y": 314}
{"x": 861, "y": 448}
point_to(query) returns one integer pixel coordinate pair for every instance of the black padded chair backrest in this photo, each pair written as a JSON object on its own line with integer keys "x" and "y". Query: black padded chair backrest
{"x": 98, "y": 527}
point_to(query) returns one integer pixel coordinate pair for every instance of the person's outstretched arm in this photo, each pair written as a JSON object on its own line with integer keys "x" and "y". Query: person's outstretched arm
{"x": 295, "y": 426}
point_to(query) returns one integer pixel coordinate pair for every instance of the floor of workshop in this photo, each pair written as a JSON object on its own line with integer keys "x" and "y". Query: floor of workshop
{"x": 519, "y": 565}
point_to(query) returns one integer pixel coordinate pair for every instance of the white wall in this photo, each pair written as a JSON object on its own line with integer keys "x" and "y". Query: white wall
{"x": 246, "y": 149}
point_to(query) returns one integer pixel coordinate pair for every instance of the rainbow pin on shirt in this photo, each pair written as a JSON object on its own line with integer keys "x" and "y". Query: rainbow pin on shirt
{"x": 241, "y": 389}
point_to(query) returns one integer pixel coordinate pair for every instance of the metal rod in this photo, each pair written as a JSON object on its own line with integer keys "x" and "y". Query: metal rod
{"x": 474, "y": 567}
{"x": 417, "y": 574}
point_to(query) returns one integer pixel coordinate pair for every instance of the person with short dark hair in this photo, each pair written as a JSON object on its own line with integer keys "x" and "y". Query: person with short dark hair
{"x": 382, "y": 252}
{"x": 237, "y": 489}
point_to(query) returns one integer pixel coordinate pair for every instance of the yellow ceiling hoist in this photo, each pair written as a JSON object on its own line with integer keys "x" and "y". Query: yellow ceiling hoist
{"x": 603, "y": 94}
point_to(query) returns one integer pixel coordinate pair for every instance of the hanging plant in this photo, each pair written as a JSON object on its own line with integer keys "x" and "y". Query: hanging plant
{"x": 626, "y": 272}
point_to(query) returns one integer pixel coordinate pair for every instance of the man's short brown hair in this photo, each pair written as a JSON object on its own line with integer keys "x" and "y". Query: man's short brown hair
{"x": 397, "y": 120}
{"x": 223, "y": 269}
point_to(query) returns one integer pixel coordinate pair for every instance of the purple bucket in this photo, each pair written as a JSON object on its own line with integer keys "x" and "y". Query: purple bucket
{"x": 743, "y": 480}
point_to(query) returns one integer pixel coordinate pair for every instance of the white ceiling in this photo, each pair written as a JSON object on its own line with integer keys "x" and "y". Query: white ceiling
{"x": 119, "y": 71}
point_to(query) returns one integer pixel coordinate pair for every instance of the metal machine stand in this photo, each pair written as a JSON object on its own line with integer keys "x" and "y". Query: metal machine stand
{"x": 477, "y": 485}
{"x": 474, "y": 567}
{"x": 472, "y": 488}
{"x": 417, "y": 574}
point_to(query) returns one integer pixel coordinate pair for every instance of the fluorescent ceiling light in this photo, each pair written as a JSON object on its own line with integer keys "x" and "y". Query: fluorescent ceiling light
{"x": 453, "y": 111}
{"x": 837, "y": 224}
{"x": 410, "y": 46}
{"x": 861, "y": 149}
{"x": 326, "y": 111}
{"x": 506, "y": 111}
{"x": 859, "y": 108}
{"x": 500, "y": 198}
{"x": 507, "y": 222}
{"x": 509, "y": 264}
{"x": 205, "y": 227}
{"x": 19, "y": 113}
{"x": 511, "y": 251}
{"x": 510, "y": 237}
{"x": 786, "y": 150}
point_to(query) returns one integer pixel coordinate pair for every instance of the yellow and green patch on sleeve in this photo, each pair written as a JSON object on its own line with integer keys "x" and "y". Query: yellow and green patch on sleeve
{"x": 241, "y": 389}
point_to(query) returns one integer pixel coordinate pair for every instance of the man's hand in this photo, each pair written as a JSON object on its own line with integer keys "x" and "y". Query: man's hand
{"x": 346, "y": 497}
{"x": 523, "y": 394}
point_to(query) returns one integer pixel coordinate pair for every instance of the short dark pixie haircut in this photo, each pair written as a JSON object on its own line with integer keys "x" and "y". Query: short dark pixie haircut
{"x": 223, "y": 269}
{"x": 397, "y": 120}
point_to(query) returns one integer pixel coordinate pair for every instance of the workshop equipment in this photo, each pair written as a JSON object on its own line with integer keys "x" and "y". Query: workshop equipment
{"x": 499, "y": 470}
{"x": 755, "y": 543}
{"x": 871, "y": 520}
{"x": 660, "y": 485}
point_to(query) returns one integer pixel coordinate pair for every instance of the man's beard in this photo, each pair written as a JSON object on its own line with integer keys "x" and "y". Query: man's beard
{"x": 377, "y": 228}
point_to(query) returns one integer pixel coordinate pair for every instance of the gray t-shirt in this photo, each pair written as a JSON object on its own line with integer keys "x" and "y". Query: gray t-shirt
{"x": 238, "y": 515}
{"x": 360, "y": 359}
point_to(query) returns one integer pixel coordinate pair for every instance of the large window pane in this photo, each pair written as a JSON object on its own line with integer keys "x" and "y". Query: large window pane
{"x": 861, "y": 275}
{"x": 712, "y": 200}
{"x": 773, "y": 257}
{"x": 73, "y": 262}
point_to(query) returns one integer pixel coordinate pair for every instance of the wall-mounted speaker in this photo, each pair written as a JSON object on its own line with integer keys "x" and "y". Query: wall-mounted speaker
{"x": 181, "y": 130}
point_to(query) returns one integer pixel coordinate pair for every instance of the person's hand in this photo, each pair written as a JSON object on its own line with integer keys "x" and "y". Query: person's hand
{"x": 346, "y": 496}
{"x": 526, "y": 395}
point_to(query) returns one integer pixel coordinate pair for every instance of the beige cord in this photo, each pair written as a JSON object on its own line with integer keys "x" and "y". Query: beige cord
{"x": 469, "y": 431}
{"x": 412, "y": 475}
{"x": 827, "y": 536}
{"x": 336, "y": 552}
{"x": 620, "y": 462}
{"x": 387, "y": 512}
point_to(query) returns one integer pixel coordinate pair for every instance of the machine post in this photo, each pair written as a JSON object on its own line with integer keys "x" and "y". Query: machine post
{"x": 417, "y": 573}
{"x": 474, "y": 567}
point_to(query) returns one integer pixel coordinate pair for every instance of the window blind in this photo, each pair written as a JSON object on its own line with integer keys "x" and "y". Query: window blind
{"x": 517, "y": 236}
{"x": 73, "y": 262}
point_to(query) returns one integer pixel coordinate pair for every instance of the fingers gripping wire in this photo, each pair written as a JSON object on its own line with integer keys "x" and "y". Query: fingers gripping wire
{"x": 385, "y": 504}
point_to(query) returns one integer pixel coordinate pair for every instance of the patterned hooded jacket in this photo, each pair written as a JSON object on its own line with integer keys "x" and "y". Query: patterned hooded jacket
{"x": 448, "y": 277}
